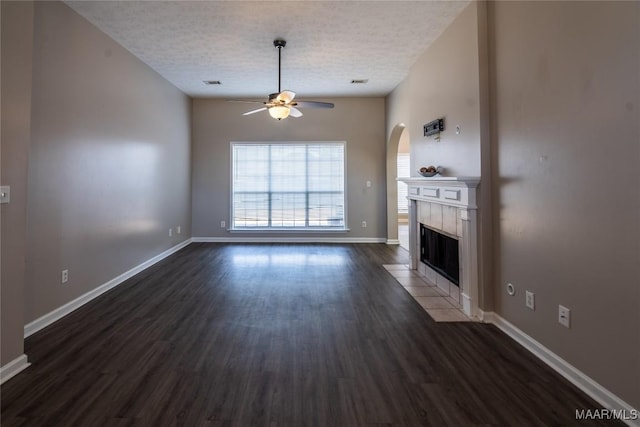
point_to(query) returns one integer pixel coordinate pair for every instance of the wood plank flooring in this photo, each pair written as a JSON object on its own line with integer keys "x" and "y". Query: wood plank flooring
{"x": 278, "y": 335}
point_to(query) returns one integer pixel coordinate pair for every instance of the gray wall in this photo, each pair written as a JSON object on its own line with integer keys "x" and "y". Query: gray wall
{"x": 559, "y": 166}
{"x": 109, "y": 164}
{"x": 444, "y": 83}
{"x": 15, "y": 92}
{"x": 359, "y": 122}
{"x": 449, "y": 81}
{"x": 567, "y": 138}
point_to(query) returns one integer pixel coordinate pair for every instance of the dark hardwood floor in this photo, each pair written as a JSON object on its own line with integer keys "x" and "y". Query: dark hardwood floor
{"x": 286, "y": 335}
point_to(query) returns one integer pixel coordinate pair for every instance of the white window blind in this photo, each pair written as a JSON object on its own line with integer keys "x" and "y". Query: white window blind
{"x": 403, "y": 172}
{"x": 288, "y": 185}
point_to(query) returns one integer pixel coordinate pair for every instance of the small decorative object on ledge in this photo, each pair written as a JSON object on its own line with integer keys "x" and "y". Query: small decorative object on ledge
{"x": 430, "y": 171}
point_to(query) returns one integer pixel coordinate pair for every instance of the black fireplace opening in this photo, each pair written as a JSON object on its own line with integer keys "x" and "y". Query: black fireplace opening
{"x": 440, "y": 252}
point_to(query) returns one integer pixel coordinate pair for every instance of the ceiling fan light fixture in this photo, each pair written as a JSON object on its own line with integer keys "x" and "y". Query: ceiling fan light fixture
{"x": 279, "y": 112}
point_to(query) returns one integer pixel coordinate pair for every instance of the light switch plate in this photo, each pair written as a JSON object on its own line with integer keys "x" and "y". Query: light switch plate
{"x": 530, "y": 300}
{"x": 5, "y": 194}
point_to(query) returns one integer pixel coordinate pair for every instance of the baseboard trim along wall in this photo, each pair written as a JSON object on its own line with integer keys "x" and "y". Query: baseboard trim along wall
{"x": 62, "y": 311}
{"x": 590, "y": 387}
{"x": 393, "y": 242}
{"x": 289, "y": 239}
{"x": 13, "y": 368}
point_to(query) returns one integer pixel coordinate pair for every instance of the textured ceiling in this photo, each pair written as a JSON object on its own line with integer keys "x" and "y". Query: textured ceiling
{"x": 329, "y": 43}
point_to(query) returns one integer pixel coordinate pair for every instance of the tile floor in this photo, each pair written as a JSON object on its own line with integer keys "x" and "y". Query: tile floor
{"x": 440, "y": 306}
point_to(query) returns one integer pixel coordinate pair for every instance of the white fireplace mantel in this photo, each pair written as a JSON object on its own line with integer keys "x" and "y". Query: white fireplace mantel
{"x": 448, "y": 190}
{"x": 447, "y": 204}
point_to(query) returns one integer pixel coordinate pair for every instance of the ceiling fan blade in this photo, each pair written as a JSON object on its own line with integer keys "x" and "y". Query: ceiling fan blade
{"x": 294, "y": 112}
{"x": 313, "y": 104}
{"x": 254, "y": 111}
{"x": 286, "y": 96}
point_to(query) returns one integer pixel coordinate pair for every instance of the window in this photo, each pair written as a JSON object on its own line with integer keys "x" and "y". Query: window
{"x": 403, "y": 172}
{"x": 288, "y": 185}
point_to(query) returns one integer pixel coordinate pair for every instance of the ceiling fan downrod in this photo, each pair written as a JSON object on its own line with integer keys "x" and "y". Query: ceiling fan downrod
{"x": 279, "y": 44}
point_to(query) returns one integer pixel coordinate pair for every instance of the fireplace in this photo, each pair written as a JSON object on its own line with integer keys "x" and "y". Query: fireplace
{"x": 443, "y": 236}
{"x": 440, "y": 252}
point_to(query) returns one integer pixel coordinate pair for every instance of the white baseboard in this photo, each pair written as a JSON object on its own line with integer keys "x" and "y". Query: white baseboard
{"x": 60, "y": 312}
{"x": 310, "y": 239}
{"x": 393, "y": 242}
{"x": 13, "y": 368}
{"x": 590, "y": 387}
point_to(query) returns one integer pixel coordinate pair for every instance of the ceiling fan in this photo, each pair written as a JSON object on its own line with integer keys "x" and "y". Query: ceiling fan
{"x": 281, "y": 105}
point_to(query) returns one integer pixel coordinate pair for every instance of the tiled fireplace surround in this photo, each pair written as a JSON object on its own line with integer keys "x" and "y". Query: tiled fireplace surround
{"x": 447, "y": 205}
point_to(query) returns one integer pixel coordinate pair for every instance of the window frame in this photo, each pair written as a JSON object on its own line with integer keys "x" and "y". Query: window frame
{"x": 271, "y": 229}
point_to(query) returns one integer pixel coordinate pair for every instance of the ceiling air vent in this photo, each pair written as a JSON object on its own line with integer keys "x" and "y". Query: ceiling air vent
{"x": 212, "y": 82}
{"x": 359, "y": 81}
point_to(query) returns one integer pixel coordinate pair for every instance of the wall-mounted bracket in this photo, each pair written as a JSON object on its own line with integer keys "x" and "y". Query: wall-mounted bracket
{"x": 434, "y": 127}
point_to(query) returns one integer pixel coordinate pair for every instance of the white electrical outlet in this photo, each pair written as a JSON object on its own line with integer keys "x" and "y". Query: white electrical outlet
{"x": 564, "y": 316}
{"x": 223, "y": 224}
{"x": 64, "y": 277}
{"x": 170, "y": 232}
{"x": 178, "y": 229}
{"x": 5, "y": 194}
{"x": 530, "y": 300}
{"x": 364, "y": 224}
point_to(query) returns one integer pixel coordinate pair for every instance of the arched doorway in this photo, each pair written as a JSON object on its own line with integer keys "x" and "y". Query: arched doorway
{"x": 398, "y": 143}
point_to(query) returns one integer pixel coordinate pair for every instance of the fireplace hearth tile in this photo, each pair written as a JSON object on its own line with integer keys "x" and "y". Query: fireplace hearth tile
{"x": 455, "y": 303}
{"x": 430, "y": 273}
{"x": 434, "y": 302}
{"x": 403, "y": 273}
{"x": 395, "y": 267}
{"x": 447, "y": 315}
{"x": 422, "y": 291}
{"x": 412, "y": 281}
{"x": 442, "y": 292}
{"x": 454, "y": 292}
{"x": 443, "y": 284}
{"x": 438, "y": 304}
